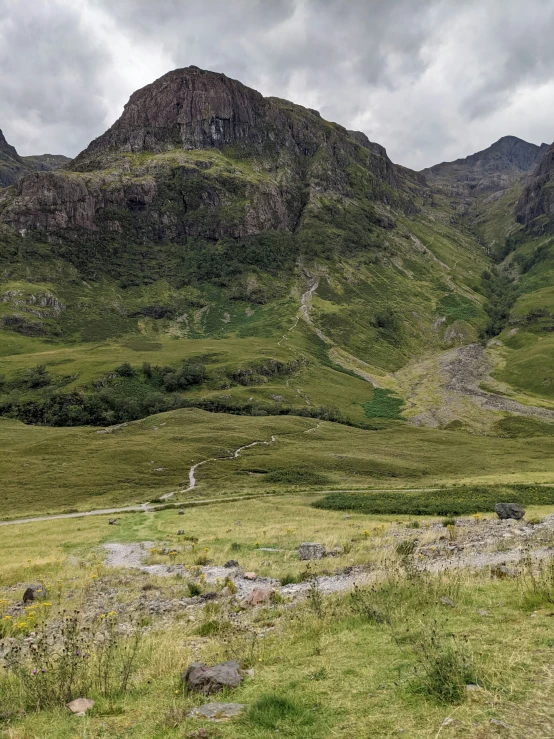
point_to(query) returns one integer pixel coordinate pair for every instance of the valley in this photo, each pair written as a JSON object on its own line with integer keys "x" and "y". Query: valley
{"x": 233, "y": 332}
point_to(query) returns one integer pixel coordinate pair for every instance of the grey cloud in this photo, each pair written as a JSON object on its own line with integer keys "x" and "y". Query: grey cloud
{"x": 429, "y": 79}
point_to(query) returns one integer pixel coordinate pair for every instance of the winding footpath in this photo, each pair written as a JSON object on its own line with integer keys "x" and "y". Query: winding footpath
{"x": 146, "y": 507}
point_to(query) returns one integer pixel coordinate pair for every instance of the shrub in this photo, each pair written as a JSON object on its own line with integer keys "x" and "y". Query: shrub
{"x": 406, "y": 547}
{"x": 448, "y": 522}
{"x": 66, "y": 659}
{"x": 384, "y": 404}
{"x": 446, "y": 502}
{"x": 444, "y": 664}
{"x": 193, "y": 588}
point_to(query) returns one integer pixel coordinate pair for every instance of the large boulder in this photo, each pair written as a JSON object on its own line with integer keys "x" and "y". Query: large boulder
{"x": 207, "y": 680}
{"x": 509, "y": 510}
{"x": 311, "y": 550}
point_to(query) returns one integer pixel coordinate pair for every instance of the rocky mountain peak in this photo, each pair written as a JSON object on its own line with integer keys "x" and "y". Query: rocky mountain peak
{"x": 188, "y": 108}
{"x": 6, "y": 150}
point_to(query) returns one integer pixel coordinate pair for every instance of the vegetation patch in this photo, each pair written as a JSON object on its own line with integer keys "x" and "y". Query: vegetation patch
{"x": 384, "y": 404}
{"x": 448, "y": 502}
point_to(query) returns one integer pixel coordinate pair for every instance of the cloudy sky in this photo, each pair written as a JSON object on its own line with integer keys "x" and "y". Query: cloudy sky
{"x": 431, "y": 80}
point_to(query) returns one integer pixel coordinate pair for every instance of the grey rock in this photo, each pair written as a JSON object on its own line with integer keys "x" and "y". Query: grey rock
{"x": 311, "y": 550}
{"x": 231, "y": 563}
{"x": 447, "y": 602}
{"x": 181, "y": 512}
{"x": 258, "y": 597}
{"x": 112, "y": 522}
{"x": 180, "y": 532}
{"x": 207, "y": 680}
{"x": 34, "y": 592}
{"x": 509, "y": 510}
{"x": 80, "y": 706}
{"x": 217, "y": 711}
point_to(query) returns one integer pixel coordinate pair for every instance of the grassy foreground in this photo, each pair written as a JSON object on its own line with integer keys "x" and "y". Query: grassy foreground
{"x": 392, "y": 659}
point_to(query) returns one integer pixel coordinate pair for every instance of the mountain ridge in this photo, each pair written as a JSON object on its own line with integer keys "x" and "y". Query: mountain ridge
{"x": 13, "y": 166}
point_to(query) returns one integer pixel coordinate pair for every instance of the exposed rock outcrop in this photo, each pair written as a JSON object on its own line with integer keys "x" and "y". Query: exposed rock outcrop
{"x": 262, "y": 162}
{"x": 537, "y": 198}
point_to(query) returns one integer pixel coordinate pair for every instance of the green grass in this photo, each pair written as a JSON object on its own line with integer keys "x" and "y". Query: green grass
{"x": 448, "y": 502}
{"x": 384, "y": 404}
{"x": 47, "y": 469}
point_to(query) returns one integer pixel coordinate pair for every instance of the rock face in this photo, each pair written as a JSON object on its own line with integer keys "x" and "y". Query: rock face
{"x": 13, "y": 166}
{"x": 492, "y": 170}
{"x": 311, "y": 550}
{"x": 537, "y": 198}
{"x": 207, "y": 680}
{"x": 509, "y": 510}
{"x": 196, "y": 155}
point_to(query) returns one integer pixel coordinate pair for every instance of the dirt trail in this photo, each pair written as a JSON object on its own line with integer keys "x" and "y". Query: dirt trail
{"x": 234, "y": 455}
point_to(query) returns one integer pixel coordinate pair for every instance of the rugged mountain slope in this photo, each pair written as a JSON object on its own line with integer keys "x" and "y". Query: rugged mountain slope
{"x": 13, "y": 167}
{"x": 496, "y": 168}
{"x": 288, "y": 260}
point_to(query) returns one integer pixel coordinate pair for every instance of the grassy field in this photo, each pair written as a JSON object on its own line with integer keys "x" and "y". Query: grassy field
{"x": 48, "y": 470}
{"x": 377, "y": 663}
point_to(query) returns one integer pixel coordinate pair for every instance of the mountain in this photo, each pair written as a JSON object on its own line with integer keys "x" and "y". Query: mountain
{"x": 13, "y": 167}
{"x": 496, "y": 168}
{"x": 536, "y": 205}
{"x": 286, "y": 260}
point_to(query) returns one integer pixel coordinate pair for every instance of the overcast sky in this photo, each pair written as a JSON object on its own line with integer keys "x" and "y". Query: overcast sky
{"x": 432, "y": 80}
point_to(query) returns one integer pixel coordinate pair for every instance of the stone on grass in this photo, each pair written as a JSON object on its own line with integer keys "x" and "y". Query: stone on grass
{"x": 509, "y": 510}
{"x": 447, "y": 602}
{"x": 180, "y": 532}
{"x": 112, "y": 522}
{"x": 231, "y": 563}
{"x": 181, "y": 512}
{"x": 80, "y": 706}
{"x": 34, "y": 592}
{"x": 502, "y": 572}
{"x": 311, "y": 550}
{"x": 250, "y": 576}
{"x": 258, "y": 597}
{"x": 207, "y": 680}
{"x": 217, "y": 711}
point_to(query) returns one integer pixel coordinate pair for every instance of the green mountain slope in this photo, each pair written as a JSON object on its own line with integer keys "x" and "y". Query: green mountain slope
{"x": 219, "y": 249}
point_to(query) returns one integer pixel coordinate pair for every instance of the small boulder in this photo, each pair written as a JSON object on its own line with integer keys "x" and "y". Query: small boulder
{"x": 250, "y": 576}
{"x": 207, "y": 680}
{"x": 231, "y": 563}
{"x": 502, "y": 572}
{"x": 34, "y": 592}
{"x": 112, "y": 522}
{"x": 180, "y": 532}
{"x": 80, "y": 706}
{"x": 258, "y": 597}
{"x": 447, "y": 602}
{"x": 509, "y": 510}
{"x": 311, "y": 550}
{"x": 181, "y": 512}
{"x": 217, "y": 711}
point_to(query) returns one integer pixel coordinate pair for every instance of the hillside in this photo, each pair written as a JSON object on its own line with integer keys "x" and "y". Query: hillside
{"x": 221, "y": 250}
{"x": 13, "y": 166}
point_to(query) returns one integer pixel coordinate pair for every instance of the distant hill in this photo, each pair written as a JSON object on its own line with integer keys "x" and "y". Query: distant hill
{"x": 13, "y": 166}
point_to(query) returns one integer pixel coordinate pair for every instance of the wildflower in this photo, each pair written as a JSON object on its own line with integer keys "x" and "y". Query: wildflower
{"x": 93, "y": 577}
{"x": 176, "y": 692}
{"x": 112, "y": 613}
{"x": 366, "y": 533}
